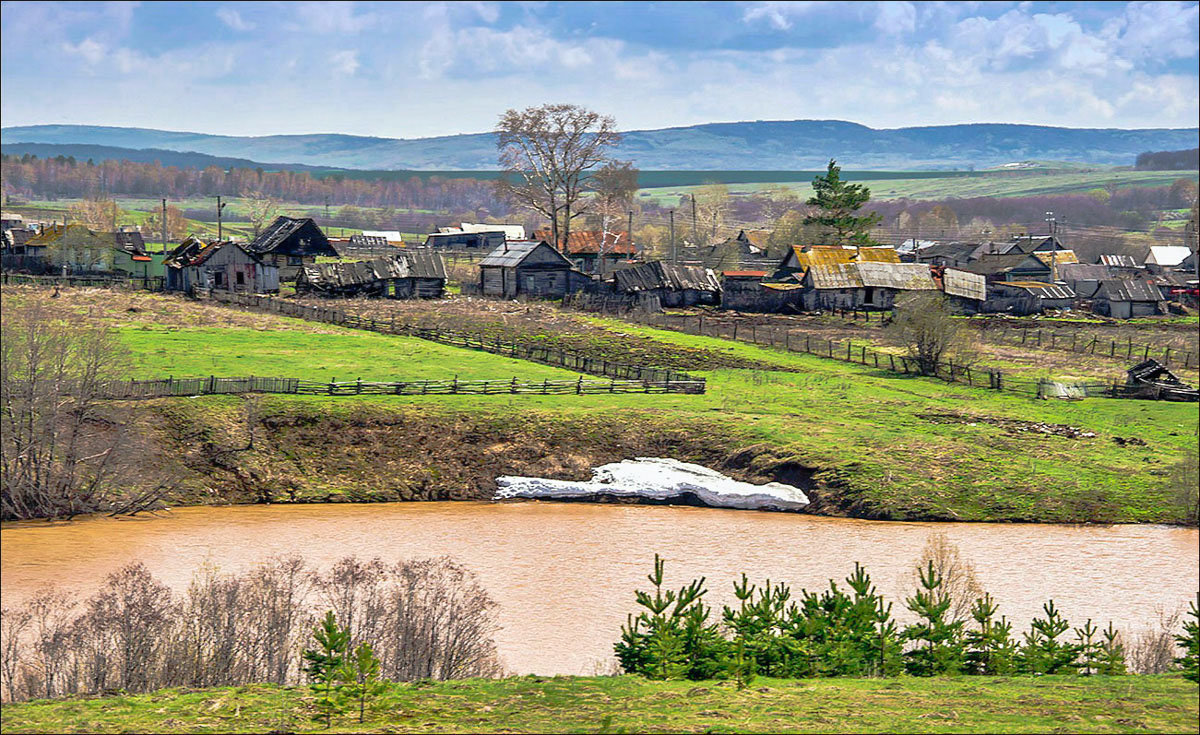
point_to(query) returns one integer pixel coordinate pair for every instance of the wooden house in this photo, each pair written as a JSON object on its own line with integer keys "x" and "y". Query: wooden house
{"x": 1027, "y": 297}
{"x": 948, "y": 254}
{"x": 674, "y": 285}
{"x": 866, "y": 285}
{"x": 78, "y": 249}
{"x": 594, "y": 251}
{"x": 966, "y": 291}
{"x": 413, "y": 274}
{"x": 1127, "y": 298}
{"x": 748, "y": 243}
{"x": 223, "y": 266}
{"x": 289, "y": 243}
{"x": 747, "y": 291}
{"x": 1010, "y": 267}
{"x": 528, "y": 268}
{"x": 1084, "y": 278}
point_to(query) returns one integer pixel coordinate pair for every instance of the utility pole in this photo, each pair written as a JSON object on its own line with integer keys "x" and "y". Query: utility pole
{"x": 1053, "y": 248}
{"x": 220, "y": 232}
{"x": 695, "y": 237}
{"x": 164, "y": 225}
{"x": 629, "y": 232}
{"x": 674, "y": 258}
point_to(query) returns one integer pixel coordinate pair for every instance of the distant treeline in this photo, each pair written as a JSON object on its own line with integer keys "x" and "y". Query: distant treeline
{"x": 1186, "y": 160}
{"x": 67, "y": 177}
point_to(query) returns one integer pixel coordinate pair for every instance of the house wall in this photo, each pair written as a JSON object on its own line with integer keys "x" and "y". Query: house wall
{"x": 829, "y": 298}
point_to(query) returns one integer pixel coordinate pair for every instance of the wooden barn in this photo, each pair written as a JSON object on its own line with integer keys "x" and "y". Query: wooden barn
{"x": 1127, "y": 298}
{"x": 865, "y": 285}
{"x": 224, "y": 266}
{"x": 419, "y": 274}
{"x": 1027, "y": 297}
{"x": 290, "y": 243}
{"x": 674, "y": 285}
{"x": 528, "y": 268}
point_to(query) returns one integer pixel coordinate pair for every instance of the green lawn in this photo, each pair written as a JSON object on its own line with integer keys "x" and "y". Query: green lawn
{"x": 343, "y": 355}
{"x": 888, "y": 446}
{"x": 1163, "y": 704}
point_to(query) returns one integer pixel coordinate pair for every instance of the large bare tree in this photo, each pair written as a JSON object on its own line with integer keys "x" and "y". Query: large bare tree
{"x": 614, "y": 186}
{"x": 548, "y": 154}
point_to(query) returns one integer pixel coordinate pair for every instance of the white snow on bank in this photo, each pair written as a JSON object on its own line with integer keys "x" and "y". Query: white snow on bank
{"x": 659, "y": 479}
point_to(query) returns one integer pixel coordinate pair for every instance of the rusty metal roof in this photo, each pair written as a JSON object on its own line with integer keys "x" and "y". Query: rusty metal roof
{"x": 830, "y": 254}
{"x": 1057, "y": 257}
{"x": 1120, "y": 261}
{"x": 965, "y": 284}
{"x": 835, "y": 276}
{"x": 744, "y": 274}
{"x": 900, "y": 276}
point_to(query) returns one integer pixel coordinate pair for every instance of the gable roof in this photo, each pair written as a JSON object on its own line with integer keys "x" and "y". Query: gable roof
{"x": 1083, "y": 272}
{"x": 412, "y": 264}
{"x": 955, "y": 250}
{"x": 1128, "y": 289}
{"x": 901, "y": 276}
{"x": 834, "y": 276}
{"x": 514, "y": 252}
{"x": 1168, "y": 255}
{"x": 1119, "y": 261}
{"x": 990, "y": 265}
{"x": 1039, "y": 289}
{"x": 650, "y": 276}
{"x": 1057, "y": 257}
{"x": 277, "y": 236}
{"x": 192, "y": 252}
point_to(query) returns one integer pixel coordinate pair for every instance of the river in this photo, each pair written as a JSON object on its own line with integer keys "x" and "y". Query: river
{"x": 564, "y": 573}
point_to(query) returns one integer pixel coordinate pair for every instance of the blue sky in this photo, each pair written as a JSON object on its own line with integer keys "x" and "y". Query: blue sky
{"x": 425, "y": 69}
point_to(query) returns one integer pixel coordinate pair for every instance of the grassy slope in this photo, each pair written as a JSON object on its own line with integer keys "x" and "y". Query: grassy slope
{"x": 862, "y": 430}
{"x": 631, "y": 704}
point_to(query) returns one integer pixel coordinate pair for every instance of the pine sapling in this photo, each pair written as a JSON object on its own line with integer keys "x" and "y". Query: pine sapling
{"x": 939, "y": 648}
{"x": 324, "y": 665}
{"x": 1043, "y": 653}
{"x": 1190, "y": 640}
{"x": 1090, "y": 649}
{"x": 990, "y": 649}
{"x": 360, "y": 677}
{"x": 1112, "y": 653}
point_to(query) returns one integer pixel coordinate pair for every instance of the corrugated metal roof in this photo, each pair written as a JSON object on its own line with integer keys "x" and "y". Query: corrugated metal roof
{"x": 1043, "y": 290}
{"x": 883, "y": 254}
{"x": 822, "y": 255}
{"x": 513, "y": 252}
{"x": 651, "y": 276}
{"x": 965, "y": 284}
{"x": 584, "y": 242}
{"x": 1168, "y": 255}
{"x": 900, "y": 276}
{"x": 744, "y": 274}
{"x": 1123, "y": 289}
{"x": 834, "y": 276}
{"x": 415, "y": 264}
{"x": 1119, "y": 261}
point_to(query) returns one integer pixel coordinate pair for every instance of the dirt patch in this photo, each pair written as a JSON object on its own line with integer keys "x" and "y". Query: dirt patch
{"x": 1010, "y": 426}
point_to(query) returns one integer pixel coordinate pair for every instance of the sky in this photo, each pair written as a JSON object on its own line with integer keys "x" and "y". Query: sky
{"x": 426, "y": 69}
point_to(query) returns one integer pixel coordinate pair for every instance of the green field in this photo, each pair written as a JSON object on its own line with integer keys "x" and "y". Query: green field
{"x": 1126, "y": 704}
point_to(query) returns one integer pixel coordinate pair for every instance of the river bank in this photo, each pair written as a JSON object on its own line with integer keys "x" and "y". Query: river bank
{"x": 1164, "y": 704}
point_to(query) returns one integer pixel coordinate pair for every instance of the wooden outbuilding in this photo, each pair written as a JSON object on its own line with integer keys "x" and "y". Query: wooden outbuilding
{"x": 1127, "y": 298}
{"x": 223, "y": 266}
{"x": 413, "y": 274}
{"x": 674, "y": 285}
{"x": 1027, "y": 297}
{"x": 529, "y": 268}
{"x": 290, "y": 243}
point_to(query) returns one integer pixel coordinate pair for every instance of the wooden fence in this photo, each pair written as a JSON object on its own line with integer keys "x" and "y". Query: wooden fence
{"x": 779, "y": 337}
{"x": 569, "y": 359}
{"x": 1095, "y": 345}
{"x": 143, "y": 283}
{"x": 213, "y": 385}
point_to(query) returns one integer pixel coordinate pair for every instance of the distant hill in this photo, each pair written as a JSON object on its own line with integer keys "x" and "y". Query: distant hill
{"x": 1186, "y": 160}
{"x": 183, "y": 159}
{"x": 762, "y": 145}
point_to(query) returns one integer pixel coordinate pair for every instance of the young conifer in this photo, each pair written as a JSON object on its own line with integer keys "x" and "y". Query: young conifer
{"x": 990, "y": 650}
{"x": 1043, "y": 653}
{"x": 938, "y": 649}
{"x": 324, "y": 664}
{"x": 360, "y": 677}
{"x": 1190, "y": 640}
{"x": 1112, "y": 653}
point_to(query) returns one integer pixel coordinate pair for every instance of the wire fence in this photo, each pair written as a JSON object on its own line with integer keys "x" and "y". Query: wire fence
{"x": 213, "y": 385}
{"x": 778, "y": 337}
{"x": 1094, "y": 345}
{"x": 557, "y": 357}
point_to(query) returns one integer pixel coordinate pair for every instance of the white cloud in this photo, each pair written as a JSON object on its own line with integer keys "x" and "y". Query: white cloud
{"x": 779, "y": 15}
{"x": 345, "y": 62}
{"x": 896, "y": 18}
{"x": 330, "y": 17}
{"x": 234, "y": 19}
{"x": 89, "y": 49}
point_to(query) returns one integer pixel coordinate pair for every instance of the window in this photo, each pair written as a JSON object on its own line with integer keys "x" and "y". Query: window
{"x": 241, "y": 278}
{"x": 219, "y": 279}
{"x": 295, "y": 260}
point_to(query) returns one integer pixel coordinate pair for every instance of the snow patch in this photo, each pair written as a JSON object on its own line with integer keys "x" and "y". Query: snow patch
{"x": 658, "y": 478}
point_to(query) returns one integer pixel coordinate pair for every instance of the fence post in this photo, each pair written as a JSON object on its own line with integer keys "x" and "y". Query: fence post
{"x": 579, "y": 386}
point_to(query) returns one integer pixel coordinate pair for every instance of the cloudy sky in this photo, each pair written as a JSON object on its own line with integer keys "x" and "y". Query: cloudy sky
{"x": 425, "y": 69}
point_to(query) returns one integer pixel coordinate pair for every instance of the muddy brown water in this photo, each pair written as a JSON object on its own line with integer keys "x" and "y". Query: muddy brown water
{"x": 564, "y": 574}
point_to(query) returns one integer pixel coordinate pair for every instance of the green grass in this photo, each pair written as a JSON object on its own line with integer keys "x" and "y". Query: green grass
{"x": 1165, "y": 704}
{"x": 867, "y": 433}
{"x": 343, "y": 355}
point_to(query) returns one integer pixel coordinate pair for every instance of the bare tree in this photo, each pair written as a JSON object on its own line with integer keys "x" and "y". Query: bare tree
{"x": 959, "y": 583}
{"x": 712, "y": 207}
{"x": 63, "y": 451}
{"x": 614, "y": 186}
{"x": 547, "y": 154}
{"x": 260, "y": 208}
{"x": 925, "y": 327}
{"x": 1184, "y": 486}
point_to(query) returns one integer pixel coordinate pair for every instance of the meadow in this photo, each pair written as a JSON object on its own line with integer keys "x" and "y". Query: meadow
{"x": 1098, "y": 704}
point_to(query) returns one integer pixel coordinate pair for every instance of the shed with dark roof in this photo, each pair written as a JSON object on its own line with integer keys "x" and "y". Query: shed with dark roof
{"x": 674, "y": 285}
{"x": 1127, "y": 298}
{"x": 411, "y": 274}
{"x": 529, "y": 268}
{"x": 224, "y": 266}
{"x": 290, "y": 243}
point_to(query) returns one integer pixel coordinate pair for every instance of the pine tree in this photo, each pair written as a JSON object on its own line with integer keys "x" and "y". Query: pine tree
{"x": 1190, "y": 640}
{"x": 1112, "y": 653}
{"x": 325, "y": 663}
{"x": 838, "y": 202}
{"x": 939, "y": 648}
{"x": 990, "y": 650}
{"x": 1091, "y": 651}
{"x": 1043, "y": 653}
{"x": 360, "y": 677}
{"x": 870, "y": 628}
